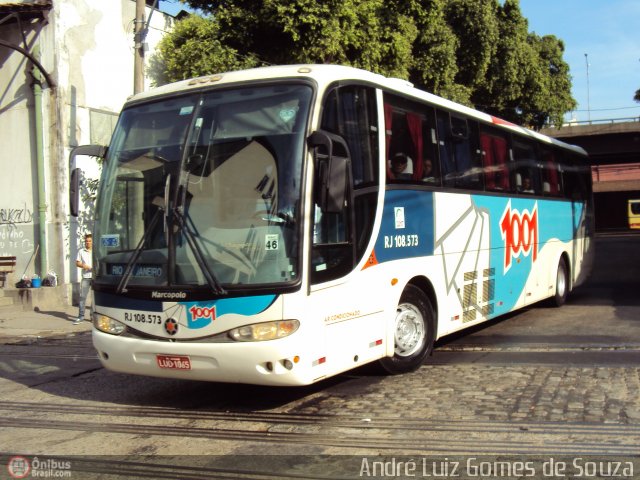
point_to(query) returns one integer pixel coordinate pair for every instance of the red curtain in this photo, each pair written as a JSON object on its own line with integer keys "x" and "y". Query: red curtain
{"x": 496, "y": 169}
{"x": 500, "y": 145}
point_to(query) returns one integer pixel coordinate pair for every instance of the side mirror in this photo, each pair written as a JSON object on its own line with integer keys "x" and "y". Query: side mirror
{"x": 74, "y": 192}
{"x": 332, "y": 173}
{"x": 88, "y": 150}
{"x": 74, "y": 187}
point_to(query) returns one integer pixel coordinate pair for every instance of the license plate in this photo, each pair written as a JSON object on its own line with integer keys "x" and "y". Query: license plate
{"x": 174, "y": 362}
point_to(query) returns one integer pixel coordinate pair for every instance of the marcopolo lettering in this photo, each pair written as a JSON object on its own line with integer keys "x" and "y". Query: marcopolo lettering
{"x": 168, "y": 295}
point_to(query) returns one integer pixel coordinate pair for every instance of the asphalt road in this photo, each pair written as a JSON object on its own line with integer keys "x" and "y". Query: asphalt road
{"x": 541, "y": 383}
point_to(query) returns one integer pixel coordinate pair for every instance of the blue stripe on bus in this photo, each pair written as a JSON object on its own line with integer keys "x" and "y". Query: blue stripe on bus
{"x": 109, "y": 300}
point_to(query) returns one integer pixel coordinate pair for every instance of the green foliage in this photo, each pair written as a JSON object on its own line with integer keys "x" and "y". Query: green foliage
{"x": 476, "y": 52}
{"x": 194, "y": 49}
{"x": 475, "y": 24}
{"x": 550, "y": 96}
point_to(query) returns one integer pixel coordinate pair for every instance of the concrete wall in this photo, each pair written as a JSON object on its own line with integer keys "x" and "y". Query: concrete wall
{"x": 87, "y": 47}
{"x": 18, "y": 188}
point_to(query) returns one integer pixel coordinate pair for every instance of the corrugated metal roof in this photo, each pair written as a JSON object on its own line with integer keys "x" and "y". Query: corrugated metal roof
{"x": 26, "y": 3}
{"x": 10, "y": 6}
{"x": 24, "y": 9}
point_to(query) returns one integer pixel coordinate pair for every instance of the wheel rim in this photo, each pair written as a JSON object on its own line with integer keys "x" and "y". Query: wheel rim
{"x": 410, "y": 332}
{"x": 561, "y": 282}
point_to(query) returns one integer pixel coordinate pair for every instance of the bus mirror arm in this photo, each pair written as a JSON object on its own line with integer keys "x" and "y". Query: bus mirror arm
{"x": 332, "y": 174}
{"x": 75, "y": 173}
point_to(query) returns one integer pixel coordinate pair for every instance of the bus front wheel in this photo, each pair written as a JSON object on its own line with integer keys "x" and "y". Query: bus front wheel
{"x": 414, "y": 332}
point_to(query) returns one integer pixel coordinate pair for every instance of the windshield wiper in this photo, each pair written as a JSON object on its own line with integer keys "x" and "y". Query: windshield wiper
{"x": 197, "y": 253}
{"x": 124, "y": 281}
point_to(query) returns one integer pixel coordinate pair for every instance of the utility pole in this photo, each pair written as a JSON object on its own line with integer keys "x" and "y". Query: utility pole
{"x": 586, "y": 59}
{"x": 140, "y": 31}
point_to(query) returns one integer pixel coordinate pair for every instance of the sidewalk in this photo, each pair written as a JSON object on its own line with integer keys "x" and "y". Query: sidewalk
{"x": 44, "y": 323}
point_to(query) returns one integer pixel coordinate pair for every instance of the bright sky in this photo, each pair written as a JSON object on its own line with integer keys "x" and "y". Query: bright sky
{"x": 606, "y": 30}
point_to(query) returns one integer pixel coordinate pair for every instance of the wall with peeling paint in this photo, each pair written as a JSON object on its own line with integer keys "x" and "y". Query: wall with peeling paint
{"x": 87, "y": 48}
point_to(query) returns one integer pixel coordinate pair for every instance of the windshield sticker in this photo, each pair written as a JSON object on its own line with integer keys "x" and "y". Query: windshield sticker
{"x": 271, "y": 241}
{"x": 399, "y": 216}
{"x": 186, "y": 110}
{"x": 110, "y": 240}
{"x": 288, "y": 114}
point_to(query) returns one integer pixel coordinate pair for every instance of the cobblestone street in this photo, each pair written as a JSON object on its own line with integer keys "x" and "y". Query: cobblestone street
{"x": 543, "y": 382}
{"x": 493, "y": 392}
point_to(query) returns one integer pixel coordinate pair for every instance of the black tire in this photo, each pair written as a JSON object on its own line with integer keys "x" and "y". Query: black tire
{"x": 563, "y": 284}
{"x": 414, "y": 332}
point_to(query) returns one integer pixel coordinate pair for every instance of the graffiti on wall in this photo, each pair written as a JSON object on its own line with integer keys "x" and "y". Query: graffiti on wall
{"x": 13, "y": 216}
{"x": 13, "y": 240}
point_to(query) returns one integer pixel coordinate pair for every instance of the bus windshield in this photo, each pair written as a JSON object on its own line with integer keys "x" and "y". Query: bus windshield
{"x": 204, "y": 190}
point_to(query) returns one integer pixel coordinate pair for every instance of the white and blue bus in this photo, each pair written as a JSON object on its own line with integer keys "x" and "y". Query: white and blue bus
{"x": 284, "y": 224}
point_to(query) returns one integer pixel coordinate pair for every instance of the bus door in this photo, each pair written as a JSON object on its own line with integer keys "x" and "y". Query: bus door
{"x": 633, "y": 213}
{"x": 344, "y": 297}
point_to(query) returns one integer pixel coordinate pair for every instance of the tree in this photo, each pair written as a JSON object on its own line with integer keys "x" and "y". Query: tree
{"x": 509, "y": 67}
{"x": 349, "y": 32}
{"x": 434, "y": 66}
{"x": 474, "y": 23}
{"x": 547, "y": 96}
{"x": 476, "y": 52}
{"x": 636, "y": 97}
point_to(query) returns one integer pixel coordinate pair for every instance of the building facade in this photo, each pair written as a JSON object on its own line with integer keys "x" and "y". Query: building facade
{"x": 66, "y": 68}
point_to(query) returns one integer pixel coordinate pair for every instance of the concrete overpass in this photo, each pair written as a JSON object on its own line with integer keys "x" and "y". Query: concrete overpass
{"x": 614, "y": 150}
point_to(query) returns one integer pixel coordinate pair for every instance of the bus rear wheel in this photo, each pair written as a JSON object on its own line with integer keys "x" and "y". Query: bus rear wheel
{"x": 414, "y": 332}
{"x": 562, "y": 284}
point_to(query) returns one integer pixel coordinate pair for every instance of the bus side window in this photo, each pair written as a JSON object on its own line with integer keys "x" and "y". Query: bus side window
{"x": 403, "y": 141}
{"x": 430, "y": 173}
{"x": 527, "y": 173}
{"x": 459, "y": 151}
{"x": 464, "y": 136}
{"x": 411, "y": 142}
{"x": 575, "y": 179}
{"x": 350, "y": 112}
{"x": 447, "y": 163}
{"x": 550, "y": 174}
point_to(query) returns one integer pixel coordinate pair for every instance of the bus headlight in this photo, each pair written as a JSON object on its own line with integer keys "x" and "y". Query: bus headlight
{"x": 107, "y": 324}
{"x": 259, "y": 332}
